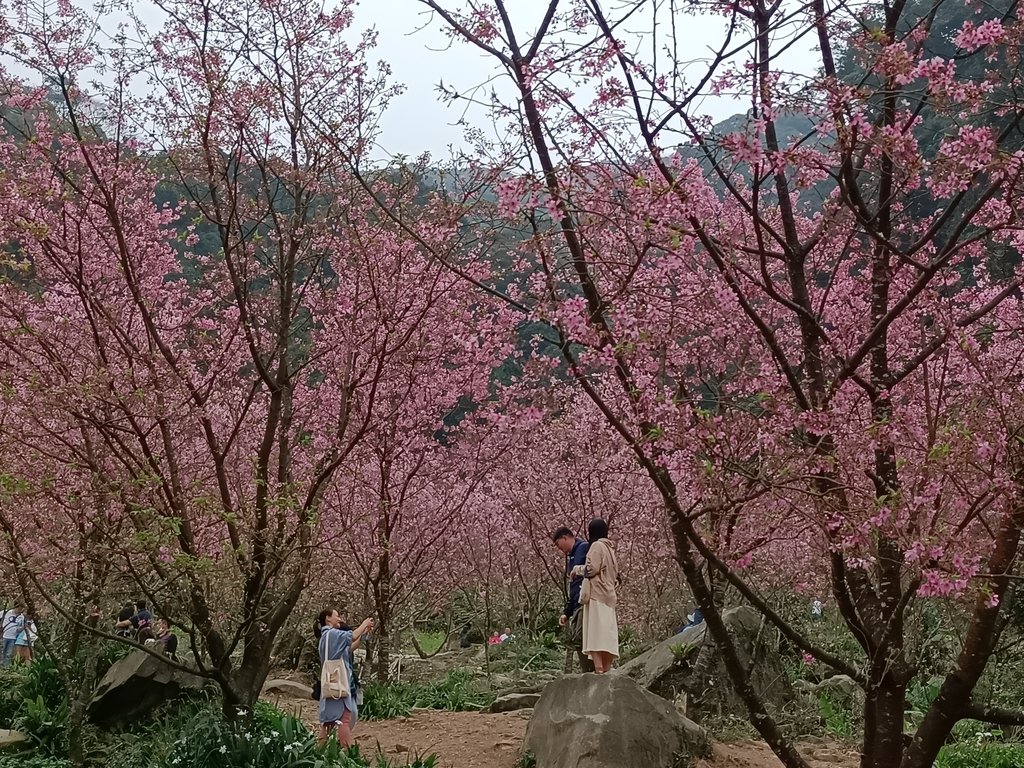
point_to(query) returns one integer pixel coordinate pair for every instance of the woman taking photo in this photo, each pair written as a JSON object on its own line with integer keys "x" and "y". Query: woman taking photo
{"x": 600, "y": 578}
{"x": 339, "y": 705}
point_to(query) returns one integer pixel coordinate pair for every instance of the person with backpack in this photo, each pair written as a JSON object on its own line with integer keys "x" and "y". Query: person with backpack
{"x": 10, "y": 621}
{"x": 25, "y": 639}
{"x": 123, "y": 626}
{"x": 339, "y": 689}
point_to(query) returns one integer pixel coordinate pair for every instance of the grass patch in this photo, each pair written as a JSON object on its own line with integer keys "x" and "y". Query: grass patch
{"x": 985, "y": 754}
{"x": 454, "y": 694}
{"x": 430, "y": 641}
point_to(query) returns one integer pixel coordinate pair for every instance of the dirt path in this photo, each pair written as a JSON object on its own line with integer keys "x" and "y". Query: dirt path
{"x": 472, "y": 740}
{"x": 460, "y": 739}
{"x": 755, "y": 755}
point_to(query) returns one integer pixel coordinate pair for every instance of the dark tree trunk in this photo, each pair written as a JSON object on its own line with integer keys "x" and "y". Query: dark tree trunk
{"x": 883, "y": 724}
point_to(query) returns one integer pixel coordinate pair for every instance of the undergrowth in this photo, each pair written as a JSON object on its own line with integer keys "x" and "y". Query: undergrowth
{"x": 455, "y": 694}
{"x": 185, "y": 734}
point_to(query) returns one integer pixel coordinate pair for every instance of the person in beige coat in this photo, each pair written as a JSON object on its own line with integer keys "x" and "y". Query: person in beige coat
{"x": 600, "y": 578}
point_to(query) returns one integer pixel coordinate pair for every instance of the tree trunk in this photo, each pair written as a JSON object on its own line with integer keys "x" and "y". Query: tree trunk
{"x": 884, "y": 708}
{"x": 241, "y": 688}
{"x": 80, "y": 703}
{"x": 382, "y": 629}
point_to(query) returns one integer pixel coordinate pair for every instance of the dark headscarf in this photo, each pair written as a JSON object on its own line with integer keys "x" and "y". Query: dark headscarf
{"x": 598, "y": 529}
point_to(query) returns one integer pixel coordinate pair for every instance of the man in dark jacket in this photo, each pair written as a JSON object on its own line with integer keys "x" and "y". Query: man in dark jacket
{"x": 575, "y": 551}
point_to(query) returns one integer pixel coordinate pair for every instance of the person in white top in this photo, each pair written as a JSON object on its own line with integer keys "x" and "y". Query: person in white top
{"x": 10, "y": 621}
{"x": 816, "y": 610}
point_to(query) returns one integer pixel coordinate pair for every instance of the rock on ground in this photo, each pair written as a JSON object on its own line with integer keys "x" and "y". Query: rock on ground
{"x": 11, "y": 740}
{"x": 662, "y": 670}
{"x": 510, "y": 702}
{"x": 136, "y": 685}
{"x": 609, "y": 721}
{"x": 688, "y": 665}
{"x": 283, "y": 687}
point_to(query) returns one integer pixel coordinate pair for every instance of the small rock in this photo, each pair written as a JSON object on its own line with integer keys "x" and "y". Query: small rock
{"x": 401, "y": 748}
{"x": 12, "y": 739}
{"x": 510, "y": 702}
{"x": 288, "y": 688}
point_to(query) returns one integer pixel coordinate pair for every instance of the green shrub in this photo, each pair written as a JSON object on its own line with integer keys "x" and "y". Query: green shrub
{"x": 11, "y": 700}
{"x": 839, "y": 720}
{"x": 454, "y": 694}
{"x": 982, "y": 754}
{"x": 42, "y": 681}
{"x": 386, "y": 702}
{"x": 920, "y": 695}
{"x": 265, "y": 738}
{"x": 32, "y": 701}
{"x": 32, "y": 761}
{"x": 45, "y": 727}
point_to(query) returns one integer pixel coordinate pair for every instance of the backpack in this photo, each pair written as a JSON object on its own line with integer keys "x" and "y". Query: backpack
{"x": 145, "y": 631}
{"x": 9, "y": 618}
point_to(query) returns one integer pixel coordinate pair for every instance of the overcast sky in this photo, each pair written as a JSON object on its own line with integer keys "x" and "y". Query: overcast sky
{"x": 418, "y": 121}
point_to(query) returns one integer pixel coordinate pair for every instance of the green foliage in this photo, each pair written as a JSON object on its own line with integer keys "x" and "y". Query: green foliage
{"x": 920, "y": 695}
{"x": 33, "y": 761}
{"x": 523, "y": 656}
{"x": 430, "y": 641}
{"x": 42, "y": 681}
{"x": 195, "y": 734}
{"x": 551, "y": 641}
{"x": 45, "y": 727}
{"x": 839, "y": 720}
{"x": 454, "y": 694}
{"x": 32, "y": 701}
{"x": 526, "y": 760}
{"x": 11, "y": 680}
{"x": 981, "y": 754}
{"x": 110, "y": 653}
{"x": 680, "y": 651}
{"x": 188, "y": 733}
{"x": 267, "y": 738}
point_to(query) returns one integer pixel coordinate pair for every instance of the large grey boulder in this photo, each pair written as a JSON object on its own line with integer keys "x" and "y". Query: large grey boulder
{"x": 688, "y": 667}
{"x": 663, "y": 669}
{"x": 136, "y": 685}
{"x": 609, "y": 721}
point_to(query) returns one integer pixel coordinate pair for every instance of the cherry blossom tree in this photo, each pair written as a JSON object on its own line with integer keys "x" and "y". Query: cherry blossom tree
{"x": 195, "y": 373}
{"x": 571, "y": 468}
{"x": 408, "y": 495}
{"x": 804, "y": 324}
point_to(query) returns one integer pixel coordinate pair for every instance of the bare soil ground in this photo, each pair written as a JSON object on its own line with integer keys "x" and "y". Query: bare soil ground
{"x": 472, "y": 740}
{"x": 756, "y": 755}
